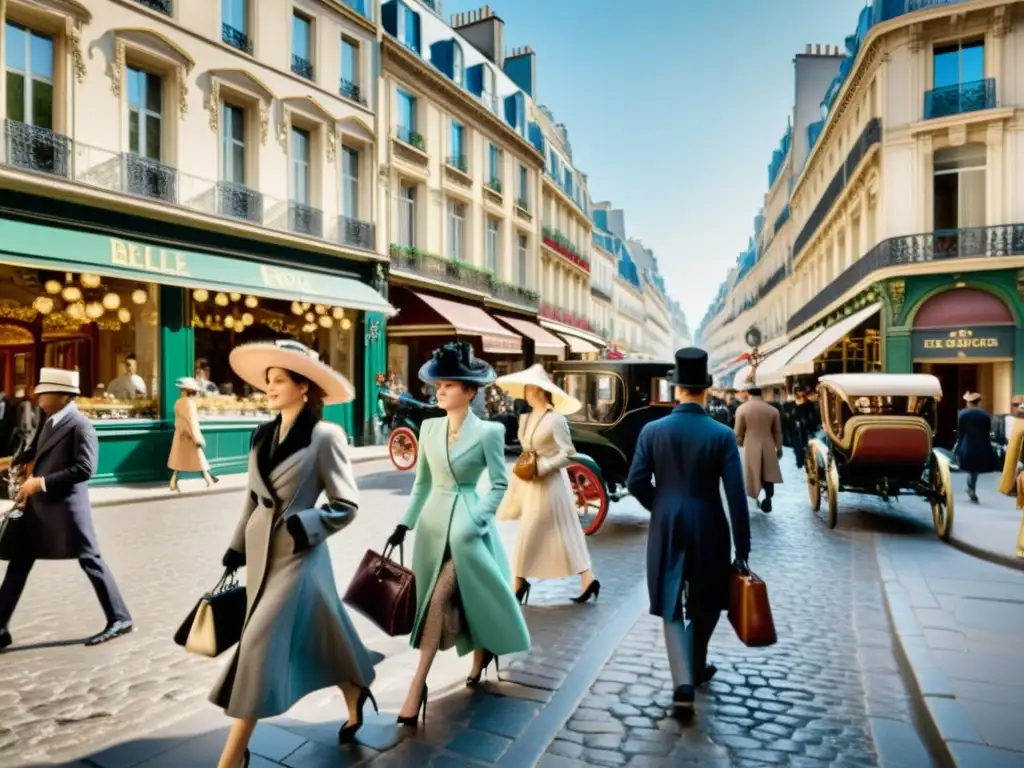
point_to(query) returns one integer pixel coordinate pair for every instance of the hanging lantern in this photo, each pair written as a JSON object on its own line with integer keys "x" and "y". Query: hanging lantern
{"x": 236, "y": 296}
{"x": 52, "y": 287}
{"x": 90, "y": 281}
{"x": 124, "y": 315}
{"x": 200, "y": 295}
{"x": 229, "y": 322}
{"x": 221, "y": 299}
{"x": 296, "y": 308}
{"x": 139, "y": 296}
{"x": 326, "y": 321}
{"x": 111, "y": 301}
{"x": 346, "y": 324}
{"x": 247, "y": 319}
{"x": 310, "y": 317}
{"x": 320, "y": 309}
{"x": 71, "y": 293}
{"x": 337, "y": 313}
{"x": 76, "y": 311}
{"x": 43, "y": 305}
{"x": 252, "y": 302}
{"x": 94, "y": 310}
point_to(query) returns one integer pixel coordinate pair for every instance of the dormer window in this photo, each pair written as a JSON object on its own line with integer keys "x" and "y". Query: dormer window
{"x": 489, "y": 89}
{"x": 458, "y": 65}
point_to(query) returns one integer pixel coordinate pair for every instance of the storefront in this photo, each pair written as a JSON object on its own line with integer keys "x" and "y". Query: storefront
{"x": 132, "y": 316}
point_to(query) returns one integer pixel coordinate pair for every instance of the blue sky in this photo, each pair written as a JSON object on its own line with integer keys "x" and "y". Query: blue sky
{"x": 673, "y": 109}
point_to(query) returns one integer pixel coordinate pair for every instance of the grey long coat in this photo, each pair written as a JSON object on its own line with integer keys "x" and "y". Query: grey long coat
{"x": 298, "y": 637}
{"x": 759, "y": 433}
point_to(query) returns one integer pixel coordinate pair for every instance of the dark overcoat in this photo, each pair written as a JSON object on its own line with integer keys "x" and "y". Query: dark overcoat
{"x": 974, "y": 451}
{"x": 57, "y": 524}
{"x": 688, "y": 455}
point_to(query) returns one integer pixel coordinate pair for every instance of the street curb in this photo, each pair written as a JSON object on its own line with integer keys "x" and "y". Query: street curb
{"x": 988, "y": 555}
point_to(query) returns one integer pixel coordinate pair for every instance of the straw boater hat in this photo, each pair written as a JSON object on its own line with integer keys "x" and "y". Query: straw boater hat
{"x": 971, "y": 397}
{"x": 251, "y": 362}
{"x": 189, "y": 383}
{"x": 455, "y": 362}
{"x": 57, "y": 381}
{"x": 515, "y": 384}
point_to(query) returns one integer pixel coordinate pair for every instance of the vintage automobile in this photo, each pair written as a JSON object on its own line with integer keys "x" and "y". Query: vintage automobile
{"x": 877, "y": 439}
{"x": 619, "y": 397}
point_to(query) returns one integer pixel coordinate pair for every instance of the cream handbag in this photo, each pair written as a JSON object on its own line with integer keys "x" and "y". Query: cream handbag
{"x": 215, "y": 624}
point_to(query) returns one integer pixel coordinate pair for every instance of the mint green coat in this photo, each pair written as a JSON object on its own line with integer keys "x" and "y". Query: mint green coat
{"x": 445, "y": 510}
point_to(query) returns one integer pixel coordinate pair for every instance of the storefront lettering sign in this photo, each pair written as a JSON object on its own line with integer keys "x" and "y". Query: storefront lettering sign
{"x": 275, "y": 277}
{"x": 161, "y": 261}
{"x": 977, "y": 341}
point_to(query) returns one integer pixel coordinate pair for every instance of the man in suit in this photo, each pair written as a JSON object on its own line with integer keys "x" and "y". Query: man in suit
{"x": 57, "y": 524}
{"x": 759, "y": 434}
{"x": 688, "y": 454}
{"x": 974, "y": 451}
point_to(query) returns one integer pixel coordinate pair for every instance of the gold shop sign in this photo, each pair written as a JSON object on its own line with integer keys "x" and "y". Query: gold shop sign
{"x": 276, "y": 277}
{"x": 148, "y": 258}
{"x": 976, "y": 341}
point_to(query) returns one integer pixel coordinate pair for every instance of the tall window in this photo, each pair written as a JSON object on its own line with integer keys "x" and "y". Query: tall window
{"x": 457, "y": 144}
{"x": 145, "y": 113}
{"x": 302, "y": 46}
{"x": 300, "y": 166}
{"x": 960, "y": 62}
{"x": 233, "y": 144}
{"x": 410, "y": 31}
{"x": 234, "y": 24}
{"x": 488, "y": 87}
{"x": 523, "y": 192}
{"x": 349, "y": 183}
{"x": 494, "y": 162}
{"x": 521, "y": 257}
{"x": 29, "y": 64}
{"x": 493, "y": 244}
{"x": 406, "y": 216}
{"x": 458, "y": 64}
{"x": 349, "y": 68}
{"x": 959, "y": 191}
{"x": 456, "y": 230}
{"x": 406, "y": 114}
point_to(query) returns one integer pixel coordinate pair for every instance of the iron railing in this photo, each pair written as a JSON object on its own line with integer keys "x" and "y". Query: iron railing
{"x": 305, "y": 219}
{"x": 355, "y": 232}
{"x": 302, "y": 67}
{"x": 523, "y": 203}
{"x": 960, "y": 98}
{"x": 458, "y": 162}
{"x": 494, "y": 185}
{"x": 940, "y": 245}
{"x": 149, "y": 178}
{"x": 411, "y": 137}
{"x": 36, "y": 149}
{"x": 351, "y": 91}
{"x": 599, "y": 290}
{"x": 238, "y": 201}
{"x": 165, "y": 7}
{"x": 514, "y": 294}
{"x": 781, "y": 219}
{"x": 773, "y": 280}
{"x": 236, "y": 38}
{"x": 443, "y": 270}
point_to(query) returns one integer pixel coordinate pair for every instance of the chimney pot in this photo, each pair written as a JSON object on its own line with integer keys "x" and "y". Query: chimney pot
{"x": 817, "y": 49}
{"x": 807, "y": 50}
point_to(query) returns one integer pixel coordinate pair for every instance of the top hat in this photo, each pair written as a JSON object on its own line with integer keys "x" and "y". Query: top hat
{"x": 692, "y": 369}
{"x": 57, "y": 381}
{"x": 252, "y": 361}
{"x": 455, "y": 362}
{"x": 515, "y": 385}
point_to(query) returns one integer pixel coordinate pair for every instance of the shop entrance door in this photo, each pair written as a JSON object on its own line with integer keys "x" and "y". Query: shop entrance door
{"x": 956, "y": 379}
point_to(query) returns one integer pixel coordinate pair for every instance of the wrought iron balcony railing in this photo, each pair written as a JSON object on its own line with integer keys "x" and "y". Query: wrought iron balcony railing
{"x": 237, "y": 201}
{"x": 495, "y": 185}
{"x": 149, "y": 178}
{"x": 411, "y": 137}
{"x": 773, "y": 280}
{"x": 514, "y": 294}
{"x": 458, "y": 162}
{"x": 302, "y": 67}
{"x": 356, "y": 232}
{"x": 36, "y": 149}
{"x": 236, "y": 38}
{"x": 523, "y": 203}
{"x": 434, "y": 267}
{"x": 305, "y": 220}
{"x": 165, "y": 7}
{"x": 960, "y": 98}
{"x": 350, "y": 90}
{"x": 940, "y": 245}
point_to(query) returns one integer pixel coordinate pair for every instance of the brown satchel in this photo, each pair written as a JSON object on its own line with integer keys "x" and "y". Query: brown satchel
{"x": 384, "y": 592}
{"x": 526, "y": 465}
{"x": 749, "y": 611}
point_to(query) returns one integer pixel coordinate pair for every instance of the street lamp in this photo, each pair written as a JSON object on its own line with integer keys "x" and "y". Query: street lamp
{"x": 755, "y": 356}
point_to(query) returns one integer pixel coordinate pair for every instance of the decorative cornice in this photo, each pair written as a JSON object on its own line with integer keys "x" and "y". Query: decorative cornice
{"x": 187, "y": 62}
{"x": 115, "y": 70}
{"x": 1002, "y": 21}
{"x": 73, "y": 29}
{"x": 351, "y": 14}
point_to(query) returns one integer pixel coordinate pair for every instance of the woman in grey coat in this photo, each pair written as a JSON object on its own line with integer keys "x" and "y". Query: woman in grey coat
{"x": 297, "y": 636}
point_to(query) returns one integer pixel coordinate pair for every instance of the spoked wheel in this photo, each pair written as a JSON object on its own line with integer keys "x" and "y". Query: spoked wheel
{"x": 832, "y": 490}
{"x": 942, "y": 495}
{"x": 813, "y": 478}
{"x": 403, "y": 448}
{"x": 591, "y": 498}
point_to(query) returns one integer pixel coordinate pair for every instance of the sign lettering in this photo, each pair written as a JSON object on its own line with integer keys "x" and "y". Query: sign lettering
{"x": 275, "y": 277}
{"x": 978, "y": 341}
{"x": 147, "y": 258}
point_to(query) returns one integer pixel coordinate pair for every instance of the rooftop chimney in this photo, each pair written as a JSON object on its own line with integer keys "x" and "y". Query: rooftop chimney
{"x": 483, "y": 30}
{"x": 521, "y": 66}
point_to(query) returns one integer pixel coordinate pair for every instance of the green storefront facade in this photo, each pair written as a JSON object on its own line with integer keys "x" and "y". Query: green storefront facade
{"x": 175, "y": 268}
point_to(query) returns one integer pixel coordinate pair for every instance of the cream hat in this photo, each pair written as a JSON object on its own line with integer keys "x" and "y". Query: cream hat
{"x": 190, "y": 383}
{"x": 251, "y": 362}
{"x": 57, "y": 381}
{"x": 515, "y": 384}
{"x": 971, "y": 397}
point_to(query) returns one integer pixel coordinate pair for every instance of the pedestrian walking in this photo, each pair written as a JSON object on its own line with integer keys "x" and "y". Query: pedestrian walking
{"x": 550, "y": 544}
{"x": 803, "y": 424}
{"x": 688, "y": 456}
{"x": 187, "y": 454}
{"x": 974, "y": 452}
{"x": 297, "y": 636}
{"x": 1012, "y": 482}
{"x": 463, "y": 582}
{"x": 57, "y": 520}
{"x": 759, "y": 434}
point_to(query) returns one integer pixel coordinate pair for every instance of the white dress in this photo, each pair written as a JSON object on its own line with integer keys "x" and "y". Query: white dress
{"x": 551, "y": 544}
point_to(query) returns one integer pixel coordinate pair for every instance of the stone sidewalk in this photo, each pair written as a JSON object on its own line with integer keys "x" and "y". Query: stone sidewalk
{"x": 989, "y": 529}
{"x": 959, "y": 622}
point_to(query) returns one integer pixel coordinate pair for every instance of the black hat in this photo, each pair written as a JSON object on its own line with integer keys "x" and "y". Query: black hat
{"x": 455, "y": 362}
{"x": 692, "y": 369}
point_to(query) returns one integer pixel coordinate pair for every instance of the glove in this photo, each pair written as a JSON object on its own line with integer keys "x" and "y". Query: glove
{"x": 396, "y": 538}
{"x": 740, "y": 564}
{"x": 298, "y": 534}
{"x": 779, "y": 452}
{"x": 233, "y": 559}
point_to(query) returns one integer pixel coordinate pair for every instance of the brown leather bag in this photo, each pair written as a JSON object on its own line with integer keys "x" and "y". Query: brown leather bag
{"x": 526, "y": 465}
{"x": 749, "y": 611}
{"x": 384, "y": 592}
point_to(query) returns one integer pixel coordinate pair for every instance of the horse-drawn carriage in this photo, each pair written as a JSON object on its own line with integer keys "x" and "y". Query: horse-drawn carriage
{"x": 877, "y": 433}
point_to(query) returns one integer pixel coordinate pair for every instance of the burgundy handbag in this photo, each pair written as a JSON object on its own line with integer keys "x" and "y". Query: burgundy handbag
{"x": 749, "y": 611}
{"x": 384, "y": 592}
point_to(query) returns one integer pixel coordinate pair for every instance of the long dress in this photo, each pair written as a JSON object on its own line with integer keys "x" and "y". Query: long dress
{"x": 458, "y": 560}
{"x": 187, "y": 445}
{"x": 551, "y": 544}
{"x": 297, "y": 637}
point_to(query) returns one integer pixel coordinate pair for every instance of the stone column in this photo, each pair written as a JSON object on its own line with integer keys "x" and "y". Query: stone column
{"x": 995, "y": 189}
{"x": 865, "y": 244}
{"x": 849, "y": 257}
{"x": 925, "y": 157}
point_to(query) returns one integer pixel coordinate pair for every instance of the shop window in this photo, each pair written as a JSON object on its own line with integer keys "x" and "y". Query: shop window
{"x": 576, "y": 385}
{"x": 222, "y": 321}
{"x": 104, "y": 328}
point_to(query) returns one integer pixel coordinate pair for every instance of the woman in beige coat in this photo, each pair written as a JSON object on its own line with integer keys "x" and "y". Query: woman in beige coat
{"x": 187, "y": 444}
{"x": 551, "y": 544}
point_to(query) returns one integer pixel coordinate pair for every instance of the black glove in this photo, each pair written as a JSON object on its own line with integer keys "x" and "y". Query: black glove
{"x": 298, "y": 533}
{"x": 396, "y": 538}
{"x": 233, "y": 559}
{"x": 740, "y": 564}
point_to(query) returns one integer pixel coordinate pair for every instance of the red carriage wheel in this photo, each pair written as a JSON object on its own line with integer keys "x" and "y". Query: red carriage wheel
{"x": 403, "y": 448}
{"x": 591, "y": 497}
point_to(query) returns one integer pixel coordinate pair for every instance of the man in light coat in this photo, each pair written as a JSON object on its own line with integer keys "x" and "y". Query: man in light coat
{"x": 57, "y": 520}
{"x": 759, "y": 433}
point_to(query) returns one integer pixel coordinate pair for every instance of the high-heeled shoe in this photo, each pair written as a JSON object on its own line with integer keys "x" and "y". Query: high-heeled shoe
{"x": 413, "y": 720}
{"x": 593, "y": 590}
{"x": 488, "y": 658}
{"x": 523, "y": 593}
{"x": 347, "y": 734}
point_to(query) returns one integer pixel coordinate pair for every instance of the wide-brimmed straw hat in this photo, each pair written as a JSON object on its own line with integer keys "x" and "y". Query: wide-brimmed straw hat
{"x": 971, "y": 397}
{"x": 57, "y": 381}
{"x": 189, "y": 383}
{"x": 515, "y": 384}
{"x": 251, "y": 362}
{"x": 455, "y": 362}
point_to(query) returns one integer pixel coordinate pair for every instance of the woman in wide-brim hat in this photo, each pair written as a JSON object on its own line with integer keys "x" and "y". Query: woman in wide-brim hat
{"x": 550, "y": 544}
{"x": 187, "y": 445}
{"x": 298, "y": 638}
{"x": 463, "y": 591}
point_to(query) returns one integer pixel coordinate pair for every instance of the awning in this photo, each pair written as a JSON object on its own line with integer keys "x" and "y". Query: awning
{"x": 771, "y": 372}
{"x": 566, "y": 331}
{"x": 724, "y": 378}
{"x": 40, "y": 247}
{"x": 578, "y": 346}
{"x": 544, "y": 343}
{"x": 803, "y": 361}
{"x": 467, "y": 320}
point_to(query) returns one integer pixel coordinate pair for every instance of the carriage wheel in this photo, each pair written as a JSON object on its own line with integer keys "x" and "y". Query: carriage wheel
{"x": 403, "y": 448}
{"x": 942, "y": 496}
{"x": 813, "y": 478}
{"x": 591, "y": 498}
{"x": 832, "y": 489}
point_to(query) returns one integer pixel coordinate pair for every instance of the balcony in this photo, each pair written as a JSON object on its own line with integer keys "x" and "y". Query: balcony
{"x": 559, "y": 243}
{"x": 434, "y": 267}
{"x": 356, "y": 232}
{"x": 302, "y": 67}
{"x": 237, "y": 201}
{"x": 412, "y": 138}
{"x": 523, "y": 204}
{"x": 941, "y": 245}
{"x": 165, "y": 7}
{"x": 772, "y": 282}
{"x": 148, "y": 178}
{"x": 36, "y": 149}
{"x": 458, "y": 162}
{"x": 494, "y": 185}
{"x": 514, "y": 294}
{"x": 960, "y": 98}
{"x": 351, "y": 91}
{"x": 601, "y": 291}
{"x": 236, "y": 38}
{"x": 565, "y": 317}
{"x": 305, "y": 220}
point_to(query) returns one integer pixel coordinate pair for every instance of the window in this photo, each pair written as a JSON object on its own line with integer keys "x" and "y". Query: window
{"x": 489, "y": 98}
{"x": 522, "y": 254}
{"x": 959, "y": 188}
{"x": 234, "y": 27}
{"x": 406, "y": 115}
{"x": 575, "y": 384}
{"x": 29, "y": 69}
{"x": 349, "y": 183}
{"x": 494, "y": 163}
{"x": 409, "y": 31}
{"x": 300, "y": 177}
{"x": 302, "y": 46}
{"x": 233, "y": 144}
{"x": 406, "y": 216}
{"x": 456, "y": 230}
{"x": 457, "y": 159}
{"x": 458, "y": 64}
{"x": 523, "y": 194}
{"x": 145, "y": 114}
{"x": 350, "y": 70}
{"x": 493, "y": 244}
{"x": 960, "y": 62}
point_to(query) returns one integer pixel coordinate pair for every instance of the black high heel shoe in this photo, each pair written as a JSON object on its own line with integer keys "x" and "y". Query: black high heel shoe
{"x": 413, "y": 721}
{"x": 523, "y": 593}
{"x": 488, "y": 658}
{"x": 593, "y": 590}
{"x": 347, "y": 734}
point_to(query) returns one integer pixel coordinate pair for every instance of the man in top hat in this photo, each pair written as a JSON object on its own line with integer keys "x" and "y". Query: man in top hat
{"x": 57, "y": 524}
{"x": 974, "y": 451}
{"x": 687, "y": 455}
{"x": 759, "y": 434}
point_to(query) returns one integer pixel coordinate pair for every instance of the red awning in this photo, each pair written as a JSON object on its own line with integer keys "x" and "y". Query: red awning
{"x": 467, "y": 320}
{"x": 544, "y": 343}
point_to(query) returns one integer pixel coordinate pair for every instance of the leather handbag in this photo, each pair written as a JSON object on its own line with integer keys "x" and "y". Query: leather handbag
{"x": 215, "y": 624}
{"x": 526, "y": 465}
{"x": 384, "y": 592}
{"x": 749, "y": 611}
